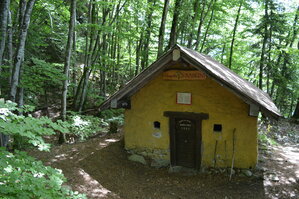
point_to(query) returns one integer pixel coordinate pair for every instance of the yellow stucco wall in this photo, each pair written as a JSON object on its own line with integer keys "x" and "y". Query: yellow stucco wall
{"x": 208, "y": 96}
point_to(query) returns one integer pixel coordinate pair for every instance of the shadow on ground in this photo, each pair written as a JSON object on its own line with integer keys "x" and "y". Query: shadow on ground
{"x": 126, "y": 179}
{"x": 281, "y": 172}
{"x": 99, "y": 168}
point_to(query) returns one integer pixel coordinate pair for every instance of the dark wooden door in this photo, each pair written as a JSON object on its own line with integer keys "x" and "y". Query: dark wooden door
{"x": 185, "y": 139}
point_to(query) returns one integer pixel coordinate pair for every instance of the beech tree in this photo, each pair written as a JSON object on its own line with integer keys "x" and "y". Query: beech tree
{"x": 175, "y": 22}
{"x": 25, "y": 14}
{"x": 4, "y": 6}
{"x": 68, "y": 54}
{"x": 234, "y": 35}
{"x": 162, "y": 28}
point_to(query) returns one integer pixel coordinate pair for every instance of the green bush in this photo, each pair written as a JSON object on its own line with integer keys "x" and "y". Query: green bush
{"x": 84, "y": 126}
{"x": 27, "y": 129}
{"x": 119, "y": 120}
{"x": 115, "y": 123}
{"x": 264, "y": 135}
{"x": 21, "y": 176}
{"x": 40, "y": 75}
{"x": 110, "y": 113}
{"x": 264, "y": 139}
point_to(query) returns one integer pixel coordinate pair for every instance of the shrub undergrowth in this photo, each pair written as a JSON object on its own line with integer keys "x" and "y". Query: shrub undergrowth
{"x": 21, "y": 176}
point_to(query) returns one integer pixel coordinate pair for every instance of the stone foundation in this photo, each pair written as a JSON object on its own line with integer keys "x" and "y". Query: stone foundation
{"x": 158, "y": 157}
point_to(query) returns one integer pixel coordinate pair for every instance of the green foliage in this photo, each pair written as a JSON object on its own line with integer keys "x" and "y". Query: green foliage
{"x": 265, "y": 138}
{"x": 113, "y": 36}
{"x": 93, "y": 99}
{"x": 21, "y": 176}
{"x": 41, "y": 75}
{"x": 111, "y": 113}
{"x": 84, "y": 126}
{"x": 27, "y": 129}
{"x": 115, "y": 123}
{"x": 118, "y": 119}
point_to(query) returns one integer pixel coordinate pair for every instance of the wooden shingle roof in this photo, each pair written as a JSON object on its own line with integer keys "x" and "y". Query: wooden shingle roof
{"x": 218, "y": 72}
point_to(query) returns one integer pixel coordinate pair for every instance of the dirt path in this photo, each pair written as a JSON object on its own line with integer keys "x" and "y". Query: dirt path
{"x": 99, "y": 168}
{"x": 281, "y": 172}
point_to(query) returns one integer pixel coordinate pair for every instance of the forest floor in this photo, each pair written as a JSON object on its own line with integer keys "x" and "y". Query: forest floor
{"x": 100, "y": 168}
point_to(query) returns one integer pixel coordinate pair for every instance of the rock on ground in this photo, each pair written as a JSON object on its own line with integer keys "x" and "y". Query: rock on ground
{"x": 137, "y": 158}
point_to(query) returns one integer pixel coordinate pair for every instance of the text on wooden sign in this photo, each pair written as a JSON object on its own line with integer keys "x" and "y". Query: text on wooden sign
{"x": 183, "y": 75}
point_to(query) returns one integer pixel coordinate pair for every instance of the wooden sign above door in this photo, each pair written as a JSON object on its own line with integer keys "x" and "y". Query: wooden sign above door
{"x": 183, "y": 75}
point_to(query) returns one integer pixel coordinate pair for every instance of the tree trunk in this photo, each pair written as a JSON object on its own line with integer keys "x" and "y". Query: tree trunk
{"x": 118, "y": 61}
{"x": 230, "y": 59}
{"x": 78, "y": 92}
{"x": 295, "y": 29}
{"x": 47, "y": 101}
{"x": 262, "y": 60}
{"x": 3, "y": 28}
{"x": 130, "y": 59}
{"x": 9, "y": 42}
{"x": 162, "y": 28}
{"x": 208, "y": 28}
{"x": 193, "y": 21}
{"x": 74, "y": 74}
{"x": 20, "y": 97}
{"x": 91, "y": 44}
{"x": 21, "y": 12}
{"x": 68, "y": 54}
{"x": 296, "y": 112}
{"x": 268, "y": 66}
{"x": 201, "y": 21}
{"x": 20, "y": 50}
{"x": 149, "y": 16}
{"x": 138, "y": 50}
{"x": 103, "y": 83}
{"x": 200, "y": 24}
{"x": 5, "y": 4}
{"x": 84, "y": 90}
{"x": 222, "y": 53}
{"x": 103, "y": 62}
{"x": 175, "y": 21}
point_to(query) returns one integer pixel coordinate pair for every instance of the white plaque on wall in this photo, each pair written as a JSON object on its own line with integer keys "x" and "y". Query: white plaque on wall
{"x": 184, "y": 98}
